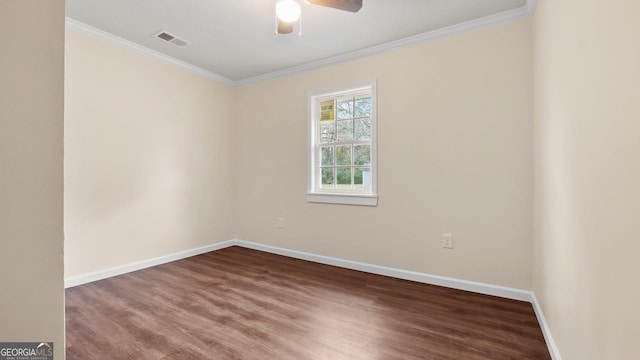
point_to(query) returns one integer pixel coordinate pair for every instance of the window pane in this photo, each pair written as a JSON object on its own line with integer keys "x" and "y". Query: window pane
{"x": 344, "y": 178}
{"x": 362, "y": 178}
{"x": 328, "y": 132}
{"x": 345, "y": 108}
{"x": 357, "y": 179}
{"x": 327, "y": 110}
{"x": 345, "y": 130}
{"x": 363, "y": 129}
{"x": 363, "y": 107}
{"x": 362, "y": 154}
{"x": 343, "y": 155}
{"x": 327, "y": 178}
{"x": 327, "y": 155}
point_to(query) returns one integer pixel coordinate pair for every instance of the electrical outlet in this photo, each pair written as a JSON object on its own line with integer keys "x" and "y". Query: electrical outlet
{"x": 280, "y": 223}
{"x": 447, "y": 241}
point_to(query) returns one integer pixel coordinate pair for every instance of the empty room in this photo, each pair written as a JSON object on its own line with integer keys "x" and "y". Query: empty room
{"x": 319, "y": 179}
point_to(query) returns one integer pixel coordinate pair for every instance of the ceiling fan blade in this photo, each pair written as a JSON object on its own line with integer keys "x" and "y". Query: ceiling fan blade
{"x": 347, "y": 5}
{"x": 284, "y": 27}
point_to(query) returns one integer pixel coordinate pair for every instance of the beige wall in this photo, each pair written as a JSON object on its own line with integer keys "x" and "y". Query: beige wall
{"x": 147, "y": 158}
{"x": 587, "y": 173}
{"x": 454, "y": 117}
{"x": 454, "y": 157}
{"x": 31, "y": 136}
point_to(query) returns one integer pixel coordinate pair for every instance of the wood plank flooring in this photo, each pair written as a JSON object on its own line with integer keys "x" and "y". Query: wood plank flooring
{"x": 238, "y": 303}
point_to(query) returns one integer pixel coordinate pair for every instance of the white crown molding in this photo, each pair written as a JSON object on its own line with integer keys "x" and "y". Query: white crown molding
{"x": 137, "y": 48}
{"x": 503, "y": 17}
{"x": 511, "y": 15}
{"x": 531, "y": 6}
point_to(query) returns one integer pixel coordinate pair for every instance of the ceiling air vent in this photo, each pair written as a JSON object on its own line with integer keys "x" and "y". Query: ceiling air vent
{"x": 171, "y": 39}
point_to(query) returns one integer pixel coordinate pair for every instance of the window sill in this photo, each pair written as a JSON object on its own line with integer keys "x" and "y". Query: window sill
{"x": 345, "y": 199}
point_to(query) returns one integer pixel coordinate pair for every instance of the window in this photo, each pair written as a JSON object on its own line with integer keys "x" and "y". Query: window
{"x": 342, "y": 146}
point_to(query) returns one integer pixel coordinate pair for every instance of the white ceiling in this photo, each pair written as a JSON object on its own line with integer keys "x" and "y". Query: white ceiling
{"x": 235, "y": 39}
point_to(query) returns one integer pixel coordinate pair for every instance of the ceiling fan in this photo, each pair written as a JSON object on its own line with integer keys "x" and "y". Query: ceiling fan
{"x": 288, "y": 11}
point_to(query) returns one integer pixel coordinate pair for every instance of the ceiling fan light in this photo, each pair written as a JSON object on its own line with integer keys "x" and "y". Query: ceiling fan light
{"x": 288, "y": 10}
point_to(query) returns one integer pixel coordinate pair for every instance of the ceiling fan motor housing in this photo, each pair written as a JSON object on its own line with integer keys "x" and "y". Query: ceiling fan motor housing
{"x": 283, "y": 26}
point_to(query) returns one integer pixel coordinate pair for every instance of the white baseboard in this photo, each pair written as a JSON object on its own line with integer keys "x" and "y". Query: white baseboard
{"x": 482, "y": 288}
{"x": 139, "y": 265}
{"x": 477, "y": 287}
{"x": 546, "y": 332}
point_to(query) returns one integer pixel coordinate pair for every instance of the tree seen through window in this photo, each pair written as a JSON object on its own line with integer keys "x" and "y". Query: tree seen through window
{"x": 345, "y": 139}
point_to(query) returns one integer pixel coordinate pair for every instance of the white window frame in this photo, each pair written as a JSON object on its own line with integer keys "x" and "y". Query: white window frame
{"x": 335, "y": 196}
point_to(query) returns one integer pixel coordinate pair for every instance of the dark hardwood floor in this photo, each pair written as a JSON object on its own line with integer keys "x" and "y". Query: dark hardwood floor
{"x": 238, "y": 303}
